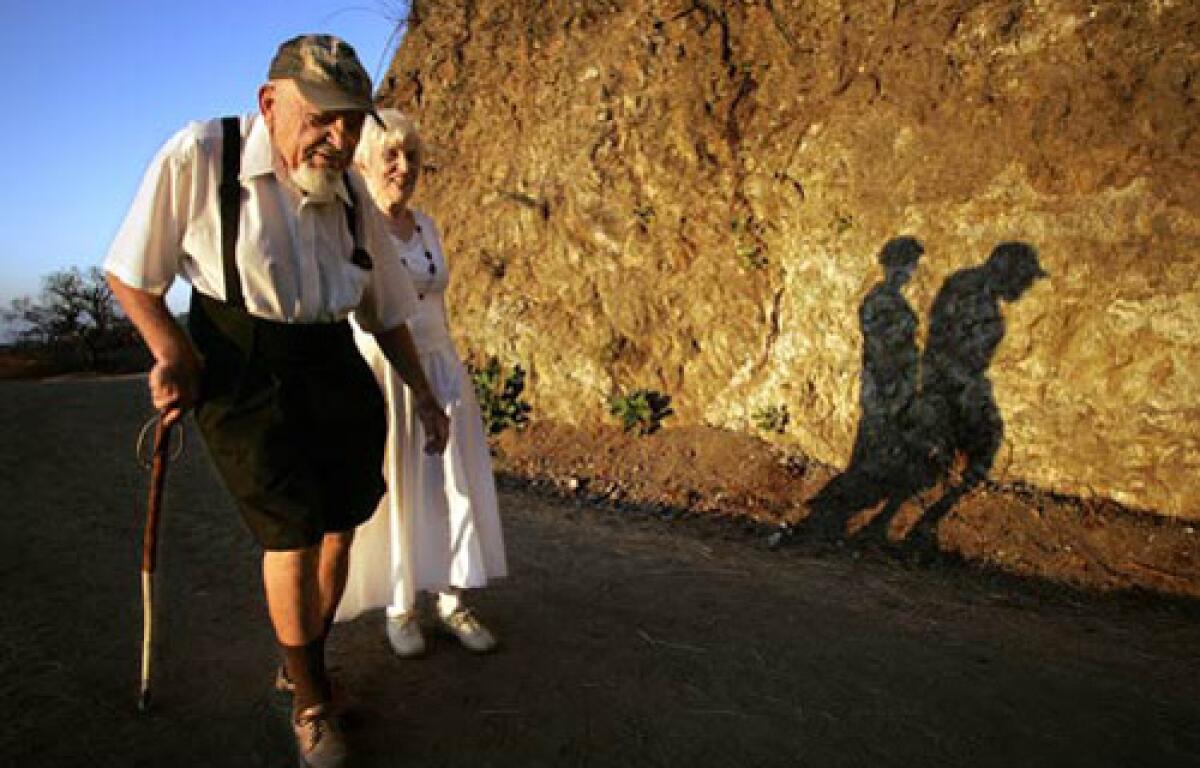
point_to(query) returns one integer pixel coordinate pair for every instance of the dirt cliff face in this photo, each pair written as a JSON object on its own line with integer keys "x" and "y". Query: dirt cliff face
{"x": 935, "y": 232}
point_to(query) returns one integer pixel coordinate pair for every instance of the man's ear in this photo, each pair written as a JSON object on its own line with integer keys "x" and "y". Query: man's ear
{"x": 266, "y": 102}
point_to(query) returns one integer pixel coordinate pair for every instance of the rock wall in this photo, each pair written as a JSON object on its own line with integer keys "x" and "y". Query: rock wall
{"x": 798, "y": 204}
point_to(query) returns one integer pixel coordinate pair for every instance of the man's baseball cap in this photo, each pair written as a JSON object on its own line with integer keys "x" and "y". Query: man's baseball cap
{"x": 327, "y": 71}
{"x": 1018, "y": 260}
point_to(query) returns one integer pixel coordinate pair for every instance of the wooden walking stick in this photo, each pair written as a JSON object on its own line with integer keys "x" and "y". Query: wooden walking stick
{"x": 158, "y": 475}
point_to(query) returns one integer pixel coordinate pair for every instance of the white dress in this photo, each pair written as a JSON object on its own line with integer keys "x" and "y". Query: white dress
{"x": 438, "y": 525}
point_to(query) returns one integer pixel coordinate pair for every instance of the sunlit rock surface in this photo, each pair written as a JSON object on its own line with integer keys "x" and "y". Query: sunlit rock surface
{"x": 696, "y": 197}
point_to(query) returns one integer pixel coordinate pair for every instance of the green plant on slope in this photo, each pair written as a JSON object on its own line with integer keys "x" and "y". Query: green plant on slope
{"x": 641, "y": 409}
{"x": 499, "y": 396}
{"x": 747, "y": 233}
{"x": 772, "y": 418}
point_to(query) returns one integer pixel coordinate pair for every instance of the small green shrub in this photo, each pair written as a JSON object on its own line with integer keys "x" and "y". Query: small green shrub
{"x": 499, "y": 396}
{"x": 645, "y": 216}
{"x": 748, "y": 233}
{"x": 752, "y": 256}
{"x": 641, "y": 409}
{"x": 843, "y": 223}
{"x": 772, "y": 418}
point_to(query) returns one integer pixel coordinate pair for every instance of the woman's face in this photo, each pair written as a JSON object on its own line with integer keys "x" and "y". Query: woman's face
{"x": 396, "y": 169}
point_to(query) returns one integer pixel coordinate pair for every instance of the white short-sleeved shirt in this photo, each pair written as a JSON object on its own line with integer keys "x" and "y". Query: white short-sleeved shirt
{"x": 294, "y": 256}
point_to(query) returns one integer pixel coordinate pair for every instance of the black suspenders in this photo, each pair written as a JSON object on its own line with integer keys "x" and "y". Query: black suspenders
{"x": 231, "y": 200}
{"x": 359, "y": 258}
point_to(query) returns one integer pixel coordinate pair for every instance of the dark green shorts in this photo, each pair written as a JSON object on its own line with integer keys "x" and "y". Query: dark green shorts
{"x": 293, "y": 421}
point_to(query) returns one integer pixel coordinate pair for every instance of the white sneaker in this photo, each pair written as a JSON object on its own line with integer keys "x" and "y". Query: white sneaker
{"x": 404, "y": 635}
{"x": 462, "y": 624}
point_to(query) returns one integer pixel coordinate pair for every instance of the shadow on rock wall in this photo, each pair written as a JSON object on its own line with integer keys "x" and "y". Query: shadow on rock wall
{"x": 929, "y": 427}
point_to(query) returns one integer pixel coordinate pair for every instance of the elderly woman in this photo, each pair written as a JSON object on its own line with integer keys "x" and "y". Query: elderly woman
{"x": 437, "y": 530}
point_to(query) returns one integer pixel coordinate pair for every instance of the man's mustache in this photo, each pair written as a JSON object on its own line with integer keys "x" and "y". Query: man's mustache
{"x": 329, "y": 152}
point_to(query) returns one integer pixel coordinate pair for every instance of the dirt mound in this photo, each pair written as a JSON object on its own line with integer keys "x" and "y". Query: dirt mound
{"x": 1095, "y": 545}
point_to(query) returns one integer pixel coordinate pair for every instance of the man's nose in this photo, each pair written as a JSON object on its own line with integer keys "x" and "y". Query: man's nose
{"x": 337, "y": 134}
{"x": 342, "y": 133}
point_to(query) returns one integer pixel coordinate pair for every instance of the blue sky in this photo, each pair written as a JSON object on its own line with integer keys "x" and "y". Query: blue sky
{"x": 100, "y": 85}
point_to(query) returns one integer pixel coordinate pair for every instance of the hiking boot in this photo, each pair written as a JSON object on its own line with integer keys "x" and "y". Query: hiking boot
{"x": 404, "y": 635}
{"x": 462, "y": 624}
{"x": 319, "y": 742}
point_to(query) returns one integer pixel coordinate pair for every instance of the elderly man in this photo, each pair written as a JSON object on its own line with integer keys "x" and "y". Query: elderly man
{"x": 265, "y": 218}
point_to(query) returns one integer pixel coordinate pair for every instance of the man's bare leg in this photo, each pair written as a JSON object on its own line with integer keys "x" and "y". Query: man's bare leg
{"x": 332, "y": 570}
{"x": 290, "y": 578}
{"x": 294, "y": 603}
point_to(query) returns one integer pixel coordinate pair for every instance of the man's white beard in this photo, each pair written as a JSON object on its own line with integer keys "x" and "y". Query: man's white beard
{"x": 319, "y": 184}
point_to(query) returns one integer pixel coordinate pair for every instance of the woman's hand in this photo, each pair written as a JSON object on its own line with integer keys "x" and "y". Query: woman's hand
{"x": 436, "y": 424}
{"x": 398, "y": 347}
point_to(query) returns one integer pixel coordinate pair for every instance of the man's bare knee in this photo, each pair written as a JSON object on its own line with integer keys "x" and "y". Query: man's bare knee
{"x": 338, "y": 540}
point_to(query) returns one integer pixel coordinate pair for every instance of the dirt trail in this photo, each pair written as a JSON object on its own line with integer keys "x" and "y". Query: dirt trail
{"x": 629, "y": 640}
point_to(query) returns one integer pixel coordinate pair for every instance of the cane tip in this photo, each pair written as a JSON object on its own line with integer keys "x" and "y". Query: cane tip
{"x": 143, "y": 704}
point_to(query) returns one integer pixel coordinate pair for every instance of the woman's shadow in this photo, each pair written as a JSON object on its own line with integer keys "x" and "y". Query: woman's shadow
{"x": 929, "y": 433}
{"x": 888, "y": 397}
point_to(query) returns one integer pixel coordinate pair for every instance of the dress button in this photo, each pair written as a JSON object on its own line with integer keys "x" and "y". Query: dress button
{"x": 421, "y": 296}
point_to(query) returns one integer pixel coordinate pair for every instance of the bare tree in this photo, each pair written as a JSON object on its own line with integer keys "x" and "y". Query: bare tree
{"x": 75, "y": 312}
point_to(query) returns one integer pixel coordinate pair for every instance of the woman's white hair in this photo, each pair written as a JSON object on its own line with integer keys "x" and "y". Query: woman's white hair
{"x": 398, "y": 128}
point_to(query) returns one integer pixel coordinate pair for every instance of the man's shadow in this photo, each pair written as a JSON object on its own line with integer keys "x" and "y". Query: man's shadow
{"x": 925, "y": 447}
